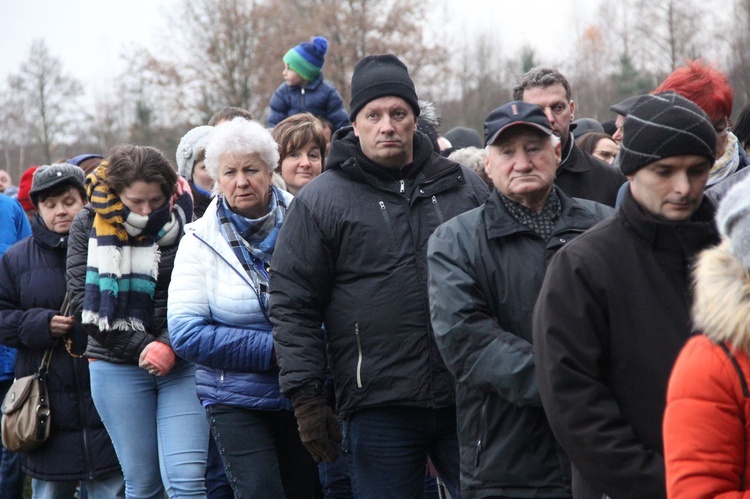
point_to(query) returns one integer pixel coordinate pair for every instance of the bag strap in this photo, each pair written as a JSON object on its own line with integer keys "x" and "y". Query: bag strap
{"x": 733, "y": 360}
{"x": 44, "y": 366}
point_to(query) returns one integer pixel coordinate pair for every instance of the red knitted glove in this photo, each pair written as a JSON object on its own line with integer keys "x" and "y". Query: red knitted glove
{"x": 157, "y": 356}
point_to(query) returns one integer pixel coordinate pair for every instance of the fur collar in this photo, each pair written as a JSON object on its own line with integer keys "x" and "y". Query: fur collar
{"x": 721, "y": 305}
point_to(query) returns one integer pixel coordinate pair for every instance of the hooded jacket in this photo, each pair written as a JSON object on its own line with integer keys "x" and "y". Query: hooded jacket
{"x": 32, "y": 289}
{"x": 707, "y": 420}
{"x": 317, "y": 97}
{"x": 352, "y": 255}
{"x": 486, "y": 269}
{"x": 611, "y": 318}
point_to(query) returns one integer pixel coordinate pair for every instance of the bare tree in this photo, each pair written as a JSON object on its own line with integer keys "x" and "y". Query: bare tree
{"x": 48, "y": 96}
{"x": 671, "y": 30}
{"x": 739, "y": 42}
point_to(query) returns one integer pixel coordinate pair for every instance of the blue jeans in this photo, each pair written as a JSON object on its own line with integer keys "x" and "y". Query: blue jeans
{"x": 156, "y": 424}
{"x": 104, "y": 487}
{"x": 262, "y": 452}
{"x": 387, "y": 449}
{"x": 335, "y": 480}
{"x": 11, "y": 476}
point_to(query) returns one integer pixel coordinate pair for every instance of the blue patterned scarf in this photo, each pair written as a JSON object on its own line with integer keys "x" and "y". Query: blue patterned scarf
{"x": 253, "y": 240}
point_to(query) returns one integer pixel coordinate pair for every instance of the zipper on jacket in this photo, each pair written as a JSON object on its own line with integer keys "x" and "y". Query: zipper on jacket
{"x": 221, "y": 378}
{"x": 387, "y": 220}
{"x": 441, "y": 218}
{"x": 480, "y": 447}
{"x": 359, "y": 355}
{"x": 401, "y": 189}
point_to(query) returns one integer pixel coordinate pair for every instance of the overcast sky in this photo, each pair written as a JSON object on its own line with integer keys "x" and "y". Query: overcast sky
{"x": 88, "y": 35}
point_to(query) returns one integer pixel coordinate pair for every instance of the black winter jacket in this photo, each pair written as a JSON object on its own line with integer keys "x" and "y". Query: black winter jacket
{"x": 612, "y": 315}
{"x": 32, "y": 289}
{"x": 486, "y": 269}
{"x": 352, "y": 254}
{"x": 580, "y": 175}
{"x": 115, "y": 347}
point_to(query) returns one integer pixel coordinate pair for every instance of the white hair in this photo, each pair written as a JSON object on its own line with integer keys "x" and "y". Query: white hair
{"x": 240, "y": 136}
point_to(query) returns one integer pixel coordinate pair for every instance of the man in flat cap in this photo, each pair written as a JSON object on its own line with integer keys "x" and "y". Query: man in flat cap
{"x": 352, "y": 256}
{"x": 486, "y": 268}
{"x": 614, "y": 309}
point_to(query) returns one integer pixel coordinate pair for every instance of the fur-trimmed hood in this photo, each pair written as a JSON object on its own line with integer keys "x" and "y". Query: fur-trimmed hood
{"x": 721, "y": 304}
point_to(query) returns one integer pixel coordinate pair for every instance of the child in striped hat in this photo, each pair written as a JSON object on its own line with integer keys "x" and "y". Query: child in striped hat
{"x": 304, "y": 89}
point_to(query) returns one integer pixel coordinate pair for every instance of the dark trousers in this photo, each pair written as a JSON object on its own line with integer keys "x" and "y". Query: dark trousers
{"x": 11, "y": 476}
{"x": 387, "y": 450}
{"x": 262, "y": 453}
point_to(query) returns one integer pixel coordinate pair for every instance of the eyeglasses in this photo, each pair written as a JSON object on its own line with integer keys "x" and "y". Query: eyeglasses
{"x": 723, "y": 128}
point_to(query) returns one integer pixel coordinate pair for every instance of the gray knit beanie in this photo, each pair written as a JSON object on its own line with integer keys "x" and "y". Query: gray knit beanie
{"x": 733, "y": 219}
{"x": 49, "y": 176}
{"x": 187, "y": 151}
{"x": 663, "y": 125}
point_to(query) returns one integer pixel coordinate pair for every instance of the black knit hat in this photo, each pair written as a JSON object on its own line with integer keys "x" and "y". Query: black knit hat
{"x": 378, "y": 76}
{"x": 663, "y": 125}
{"x": 48, "y": 176}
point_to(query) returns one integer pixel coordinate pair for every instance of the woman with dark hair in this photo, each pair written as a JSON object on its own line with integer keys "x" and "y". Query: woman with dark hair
{"x": 218, "y": 317}
{"x": 120, "y": 261}
{"x": 32, "y": 294}
{"x": 600, "y": 145}
{"x": 302, "y": 147}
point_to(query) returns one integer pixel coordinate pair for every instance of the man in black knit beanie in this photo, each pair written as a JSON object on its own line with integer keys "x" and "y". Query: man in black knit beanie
{"x": 351, "y": 256}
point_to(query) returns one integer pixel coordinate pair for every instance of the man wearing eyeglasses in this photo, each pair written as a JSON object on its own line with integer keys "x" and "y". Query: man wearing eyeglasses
{"x": 579, "y": 175}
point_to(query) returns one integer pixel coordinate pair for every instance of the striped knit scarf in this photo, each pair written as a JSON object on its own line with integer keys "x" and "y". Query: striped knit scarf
{"x": 123, "y": 255}
{"x": 253, "y": 240}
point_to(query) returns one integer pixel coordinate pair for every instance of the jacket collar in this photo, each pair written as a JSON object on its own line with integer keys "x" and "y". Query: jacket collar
{"x": 571, "y": 158}
{"x": 46, "y": 237}
{"x": 721, "y": 302}
{"x": 501, "y": 223}
{"x": 315, "y": 83}
{"x": 427, "y": 169}
{"x": 686, "y": 238}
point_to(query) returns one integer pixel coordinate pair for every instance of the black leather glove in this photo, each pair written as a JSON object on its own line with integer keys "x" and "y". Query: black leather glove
{"x": 319, "y": 429}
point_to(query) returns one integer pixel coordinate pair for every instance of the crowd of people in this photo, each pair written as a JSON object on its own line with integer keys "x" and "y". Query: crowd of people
{"x": 349, "y": 303}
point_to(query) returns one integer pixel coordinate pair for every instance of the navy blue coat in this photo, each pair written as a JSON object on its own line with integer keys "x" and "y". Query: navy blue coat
{"x": 32, "y": 289}
{"x": 317, "y": 97}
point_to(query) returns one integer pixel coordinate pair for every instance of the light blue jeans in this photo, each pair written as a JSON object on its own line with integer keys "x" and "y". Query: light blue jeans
{"x": 109, "y": 486}
{"x": 156, "y": 424}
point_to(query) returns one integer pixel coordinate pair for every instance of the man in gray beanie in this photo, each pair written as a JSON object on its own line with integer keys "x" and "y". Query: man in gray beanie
{"x": 351, "y": 255}
{"x": 613, "y": 312}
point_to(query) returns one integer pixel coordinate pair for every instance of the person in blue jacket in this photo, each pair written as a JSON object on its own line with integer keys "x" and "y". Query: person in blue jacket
{"x": 32, "y": 294}
{"x": 217, "y": 314}
{"x": 14, "y": 226}
{"x": 304, "y": 89}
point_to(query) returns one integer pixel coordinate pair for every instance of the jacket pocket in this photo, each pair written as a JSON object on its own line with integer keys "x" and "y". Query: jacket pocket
{"x": 388, "y": 225}
{"x": 481, "y": 434}
{"x": 438, "y": 211}
{"x": 359, "y": 355}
